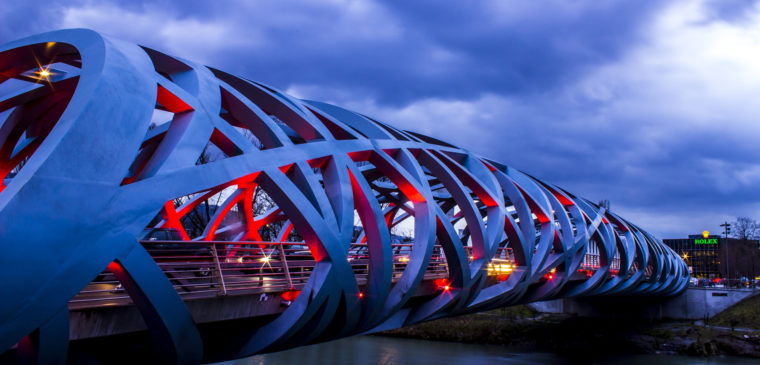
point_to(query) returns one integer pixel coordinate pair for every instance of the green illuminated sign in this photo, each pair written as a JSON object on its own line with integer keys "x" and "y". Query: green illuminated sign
{"x": 706, "y": 241}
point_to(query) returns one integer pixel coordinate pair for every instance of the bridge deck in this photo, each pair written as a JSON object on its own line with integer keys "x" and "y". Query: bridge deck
{"x": 207, "y": 269}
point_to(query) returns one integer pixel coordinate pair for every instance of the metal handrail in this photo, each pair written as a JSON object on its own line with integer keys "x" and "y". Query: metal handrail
{"x": 199, "y": 269}
{"x": 220, "y": 275}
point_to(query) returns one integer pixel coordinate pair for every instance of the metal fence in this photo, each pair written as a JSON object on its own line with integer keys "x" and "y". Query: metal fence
{"x": 200, "y": 269}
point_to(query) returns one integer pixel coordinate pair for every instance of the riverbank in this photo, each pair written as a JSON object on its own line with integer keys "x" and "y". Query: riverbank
{"x": 745, "y": 314}
{"x": 524, "y": 329}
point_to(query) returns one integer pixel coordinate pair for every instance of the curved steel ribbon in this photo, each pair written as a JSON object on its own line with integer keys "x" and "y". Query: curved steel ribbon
{"x": 86, "y": 165}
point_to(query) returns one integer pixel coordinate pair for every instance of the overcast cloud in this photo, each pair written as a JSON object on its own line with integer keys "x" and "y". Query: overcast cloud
{"x": 650, "y": 104}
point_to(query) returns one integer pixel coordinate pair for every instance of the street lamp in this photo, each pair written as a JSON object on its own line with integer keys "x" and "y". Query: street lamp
{"x": 726, "y": 230}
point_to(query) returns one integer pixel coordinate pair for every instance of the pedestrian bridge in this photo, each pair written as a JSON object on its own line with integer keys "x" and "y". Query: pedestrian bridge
{"x": 154, "y": 209}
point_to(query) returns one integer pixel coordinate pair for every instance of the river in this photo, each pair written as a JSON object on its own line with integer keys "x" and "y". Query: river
{"x": 398, "y": 351}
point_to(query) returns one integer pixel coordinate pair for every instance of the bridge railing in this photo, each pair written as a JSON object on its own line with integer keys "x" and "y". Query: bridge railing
{"x": 199, "y": 269}
{"x": 593, "y": 262}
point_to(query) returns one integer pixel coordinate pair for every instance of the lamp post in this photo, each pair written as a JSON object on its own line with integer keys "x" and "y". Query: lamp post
{"x": 726, "y": 230}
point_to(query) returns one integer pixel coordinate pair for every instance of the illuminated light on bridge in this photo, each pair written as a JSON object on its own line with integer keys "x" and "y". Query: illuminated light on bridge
{"x": 133, "y": 179}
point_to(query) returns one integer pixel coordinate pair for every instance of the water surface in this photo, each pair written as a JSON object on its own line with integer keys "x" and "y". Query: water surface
{"x": 398, "y": 351}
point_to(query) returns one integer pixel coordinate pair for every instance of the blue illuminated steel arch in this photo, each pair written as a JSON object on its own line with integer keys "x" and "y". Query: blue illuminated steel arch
{"x": 87, "y": 163}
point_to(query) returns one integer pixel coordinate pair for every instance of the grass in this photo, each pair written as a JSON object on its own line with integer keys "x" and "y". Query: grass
{"x": 745, "y": 314}
{"x": 521, "y": 327}
{"x": 477, "y": 327}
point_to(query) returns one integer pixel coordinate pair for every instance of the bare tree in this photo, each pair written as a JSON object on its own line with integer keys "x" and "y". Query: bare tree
{"x": 196, "y": 220}
{"x": 745, "y": 228}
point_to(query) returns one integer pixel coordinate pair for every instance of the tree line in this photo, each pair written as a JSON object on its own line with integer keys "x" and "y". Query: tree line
{"x": 743, "y": 252}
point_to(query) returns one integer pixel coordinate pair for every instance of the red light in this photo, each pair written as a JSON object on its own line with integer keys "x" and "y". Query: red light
{"x": 290, "y": 295}
{"x": 115, "y": 267}
{"x": 443, "y": 284}
{"x": 285, "y": 168}
{"x": 549, "y": 275}
{"x": 170, "y": 101}
{"x": 361, "y": 295}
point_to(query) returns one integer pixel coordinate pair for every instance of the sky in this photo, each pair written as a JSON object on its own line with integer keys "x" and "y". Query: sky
{"x": 649, "y": 104}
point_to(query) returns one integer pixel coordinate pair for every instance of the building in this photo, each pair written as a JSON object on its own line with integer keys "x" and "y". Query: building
{"x": 702, "y": 254}
{"x": 706, "y": 256}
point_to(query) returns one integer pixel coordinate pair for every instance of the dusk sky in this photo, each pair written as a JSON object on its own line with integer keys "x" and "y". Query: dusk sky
{"x": 650, "y": 104}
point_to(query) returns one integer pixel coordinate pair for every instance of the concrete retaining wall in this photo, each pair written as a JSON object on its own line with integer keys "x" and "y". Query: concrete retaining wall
{"x": 695, "y": 303}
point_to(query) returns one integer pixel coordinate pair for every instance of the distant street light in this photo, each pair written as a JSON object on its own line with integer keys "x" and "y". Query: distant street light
{"x": 726, "y": 230}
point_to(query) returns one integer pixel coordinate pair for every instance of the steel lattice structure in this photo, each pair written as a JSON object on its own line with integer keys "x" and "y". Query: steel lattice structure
{"x": 100, "y": 139}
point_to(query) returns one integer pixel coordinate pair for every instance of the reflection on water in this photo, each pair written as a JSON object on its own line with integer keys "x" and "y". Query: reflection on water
{"x": 396, "y": 351}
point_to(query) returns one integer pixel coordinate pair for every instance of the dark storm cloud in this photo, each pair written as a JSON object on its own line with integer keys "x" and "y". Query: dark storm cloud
{"x": 458, "y": 51}
{"x": 524, "y": 47}
{"x": 20, "y": 19}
